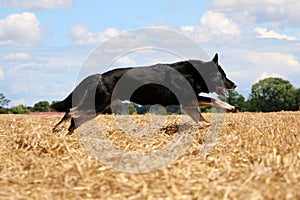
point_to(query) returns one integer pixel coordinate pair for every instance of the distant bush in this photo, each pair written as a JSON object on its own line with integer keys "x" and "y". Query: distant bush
{"x": 20, "y": 109}
{"x": 42, "y": 106}
{"x": 5, "y": 111}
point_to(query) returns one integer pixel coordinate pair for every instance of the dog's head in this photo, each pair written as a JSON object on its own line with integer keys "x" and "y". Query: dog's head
{"x": 220, "y": 80}
{"x": 214, "y": 77}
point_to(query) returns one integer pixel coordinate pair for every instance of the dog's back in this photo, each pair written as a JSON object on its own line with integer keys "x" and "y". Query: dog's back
{"x": 149, "y": 85}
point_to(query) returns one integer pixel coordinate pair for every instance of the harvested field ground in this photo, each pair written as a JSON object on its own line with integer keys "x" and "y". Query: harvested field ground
{"x": 257, "y": 156}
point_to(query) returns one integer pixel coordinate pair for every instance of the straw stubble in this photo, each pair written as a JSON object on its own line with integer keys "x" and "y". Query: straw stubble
{"x": 257, "y": 156}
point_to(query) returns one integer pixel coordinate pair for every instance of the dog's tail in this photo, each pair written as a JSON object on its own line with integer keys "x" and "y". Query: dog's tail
{"x": 63, "y": 106}
{"x": 84, "y": 92}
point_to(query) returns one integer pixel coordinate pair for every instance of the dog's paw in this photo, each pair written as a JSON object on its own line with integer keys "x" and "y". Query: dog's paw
{"x": 230, "y": 108}
{"x": 56, "y": 129}
{"x": 70, "y": 132}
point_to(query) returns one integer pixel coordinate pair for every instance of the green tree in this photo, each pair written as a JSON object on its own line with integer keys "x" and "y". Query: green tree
{"x": 272, "y": 94}
{"x": 158, "y": 110}
{"x": 297, "y": 96}
{"x": 143, "y": 109}
{"x": 3, "y": 100}
{"x": 237, "y": 100}
{"x": 5, "y": 111}
{"x": 20, "y": 109}
{"x": 173, "y": 109}
{"x": 42, "y": 106}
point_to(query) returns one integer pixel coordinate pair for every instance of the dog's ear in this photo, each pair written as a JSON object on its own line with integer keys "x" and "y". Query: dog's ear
{"x": 216, "y": 59}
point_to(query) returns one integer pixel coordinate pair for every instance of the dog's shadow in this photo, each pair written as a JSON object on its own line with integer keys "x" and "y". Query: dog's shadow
{"x": 174, "y": 128}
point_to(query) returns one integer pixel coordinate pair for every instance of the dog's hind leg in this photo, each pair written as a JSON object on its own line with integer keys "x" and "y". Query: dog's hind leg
{"x": 76, "y": 122}
{"x": 72, "y": 127}
{"x": 59, "y": 125}
{"x": 83, "y": 113}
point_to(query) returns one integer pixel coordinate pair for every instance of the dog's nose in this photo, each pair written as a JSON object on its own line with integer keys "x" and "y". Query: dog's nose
{"x": 234, "y": 86}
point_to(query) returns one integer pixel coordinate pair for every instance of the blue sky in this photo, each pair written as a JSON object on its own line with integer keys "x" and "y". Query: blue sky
{"x": 43, "y": 44}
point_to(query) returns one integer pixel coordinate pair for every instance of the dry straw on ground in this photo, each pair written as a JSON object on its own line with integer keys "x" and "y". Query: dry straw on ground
{"x": 257, "y": 157}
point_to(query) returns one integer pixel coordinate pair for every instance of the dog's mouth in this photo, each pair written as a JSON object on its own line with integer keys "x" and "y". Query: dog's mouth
{"x": 221, "y": 91}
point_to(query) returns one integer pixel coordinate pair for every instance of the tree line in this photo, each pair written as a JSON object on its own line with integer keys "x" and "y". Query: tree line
{"x": 267, "y": 95}
{"x": 41, "y": 106}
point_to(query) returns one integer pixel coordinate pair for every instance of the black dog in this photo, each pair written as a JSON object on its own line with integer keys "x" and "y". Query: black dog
{"x": 165, "y": 84}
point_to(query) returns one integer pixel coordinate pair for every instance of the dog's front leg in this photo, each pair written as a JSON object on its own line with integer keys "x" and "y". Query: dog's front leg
{"x": 194, "y": 113}
{"x": 223, "y": 105}
{"x": 209, "y": 102}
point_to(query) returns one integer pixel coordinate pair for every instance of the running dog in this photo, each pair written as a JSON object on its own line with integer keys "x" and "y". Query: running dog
{"x": 178, "y": 83}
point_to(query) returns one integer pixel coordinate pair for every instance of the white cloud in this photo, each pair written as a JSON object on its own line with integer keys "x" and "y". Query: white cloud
{"x": 82, "y": 36}
{"x": 264, "y": 75}
{"x": 275, "y": 61}
{"x": 187, "y": 28}
{"x": 1, "y": 74}
{"x": 17, "y": 56}
{"x": 40, "y": 4}
{"x": 237, "y": 4}
{"x": 17, "y": 102}
{"x": 125, "y": 61}
{"x": 265, "y": 33}
{"x": 49, "y": 75}
{"x": 271, "y": 64}
{"x": 23, "y": 28}
{"x": 213, "y": 26}
{"x": 219, "y": 24}
{"x": 279, "y": 12}
{"x": 248, "y": 64}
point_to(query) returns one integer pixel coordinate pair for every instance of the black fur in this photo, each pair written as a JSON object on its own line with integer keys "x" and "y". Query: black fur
{"x": 96, "y": 93}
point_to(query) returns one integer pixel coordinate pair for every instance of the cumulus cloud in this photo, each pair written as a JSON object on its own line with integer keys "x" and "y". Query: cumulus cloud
{"x": 219, "y": 24}
{"x": 272, "y": 64}
{"x": 23, "y": 28}
{"x": 279, "y": 12}
{"x": 213, "y": 26}
{"x": 17, "y": 56}
{"x": 265, "y": 33}
{"x": 82, "y": 36}
{"x": 276, "y": 60}
{"x": 237, "y": 4}
{"x": 40, "y": 4}
{"x": 264, "y": 75}
{"x": 125, "y": 61}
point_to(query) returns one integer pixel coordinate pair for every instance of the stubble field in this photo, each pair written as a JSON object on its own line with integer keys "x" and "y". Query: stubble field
{"x": 257, "y": 156}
